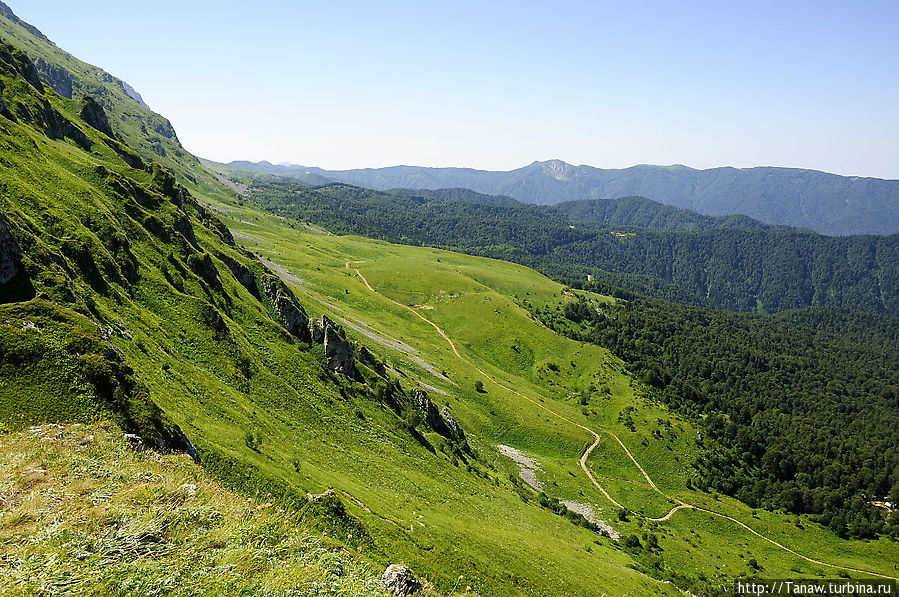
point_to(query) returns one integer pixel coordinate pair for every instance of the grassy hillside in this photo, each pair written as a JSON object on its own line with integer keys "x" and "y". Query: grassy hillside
{"x": 386, "y": 291}
{"x": 125, "y": 300}
{"x": 148, "y": 134}
{"x": 83, "y": 512}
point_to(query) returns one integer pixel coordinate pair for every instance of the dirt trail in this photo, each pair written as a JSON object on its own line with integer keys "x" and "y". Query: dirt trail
{"x": 681, "y": 505}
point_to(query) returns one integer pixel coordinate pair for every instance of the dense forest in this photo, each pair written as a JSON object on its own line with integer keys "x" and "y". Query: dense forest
{"x": 646, "y": 213}
{"x": 735, "y": 268}
{"x": 798, "y": 410}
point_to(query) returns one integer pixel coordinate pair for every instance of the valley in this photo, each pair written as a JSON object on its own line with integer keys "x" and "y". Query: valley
{"x": 463, "y": 292}
{"x": 217, "y": 381}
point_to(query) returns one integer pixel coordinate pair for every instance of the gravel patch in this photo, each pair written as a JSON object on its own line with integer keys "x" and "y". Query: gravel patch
{"x": 528, "y": 465}
{"x": 282, "y": 272}
{"x": 589, "y": 513}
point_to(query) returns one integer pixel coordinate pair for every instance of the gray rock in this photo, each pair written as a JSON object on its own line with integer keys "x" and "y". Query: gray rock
{"x": 133, "y": 94}
{"x": 428, "y": 410}
{"x": 9, "y": 253}
{"x": 176, "y": 440}
{"x": 399, "y": 580}
{"x": 338, "y": 349}
{"x": 94, "y": 114}
{"x": 57, "y": 78}
{"x": 442, "y": 421}
{"x": 455, "y": 428}
{"x": 290, "y": 313}
{"x": 135, "y": 441}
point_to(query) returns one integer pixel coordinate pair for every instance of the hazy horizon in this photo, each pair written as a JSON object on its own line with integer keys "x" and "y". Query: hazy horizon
{"x": 349, "y": 85}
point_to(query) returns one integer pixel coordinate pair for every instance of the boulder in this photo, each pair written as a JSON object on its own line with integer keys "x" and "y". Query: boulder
{"x": 399, "y": 580}
{"x": 9, "y": 253}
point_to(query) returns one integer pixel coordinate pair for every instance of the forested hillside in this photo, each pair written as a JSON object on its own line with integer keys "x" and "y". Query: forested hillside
{"x": 646, "y": 213}
{"x": 825, "y": 203}
{"x": 730, "y": 268}
{"x": 799, "y": 409}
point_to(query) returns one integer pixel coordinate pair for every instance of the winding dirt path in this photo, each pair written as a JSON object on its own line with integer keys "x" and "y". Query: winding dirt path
{"x": 681, "y": 505}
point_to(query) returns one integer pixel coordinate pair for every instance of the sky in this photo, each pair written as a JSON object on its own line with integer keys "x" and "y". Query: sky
{"x": 497, "y": 85}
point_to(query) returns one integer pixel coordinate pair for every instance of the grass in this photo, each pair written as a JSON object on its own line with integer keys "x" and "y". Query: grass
{"x": 82, "y": 512}
{"x": 119, "y": 257}
{"x": 478, "y": 302}
{"x": 120, "y": 262}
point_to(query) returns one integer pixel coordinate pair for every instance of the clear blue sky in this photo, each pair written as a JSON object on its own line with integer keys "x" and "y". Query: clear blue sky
{"x": 496, "y": 85}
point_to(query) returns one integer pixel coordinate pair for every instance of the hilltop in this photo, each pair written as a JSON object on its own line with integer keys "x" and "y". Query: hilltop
{"x": 826, "y": 203}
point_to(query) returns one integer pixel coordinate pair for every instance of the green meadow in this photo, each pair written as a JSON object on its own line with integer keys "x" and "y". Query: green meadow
{"x": 478, "y": 304}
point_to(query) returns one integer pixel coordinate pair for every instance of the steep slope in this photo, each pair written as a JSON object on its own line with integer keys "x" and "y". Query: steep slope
{"x": 149, "y": 134}
{"x": 123, "y": 299}
{"x": 825, "y": 203}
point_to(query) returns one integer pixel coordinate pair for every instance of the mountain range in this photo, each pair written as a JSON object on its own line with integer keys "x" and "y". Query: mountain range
{"x": 826, "y": 203}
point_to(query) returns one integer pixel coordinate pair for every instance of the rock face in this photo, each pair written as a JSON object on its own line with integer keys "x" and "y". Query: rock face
{"x": 428, "y": 410}
{"x": 94, "y": 114}
{"x": 291, "y": 315}
{"x": 57, "y": 78}
{"x": 452, "y": 424}
{"x": 9, "y": 253}
{"x": 441, "y": 421}
{"x": 398, "y": 580}
{"x": 338, "y": 349}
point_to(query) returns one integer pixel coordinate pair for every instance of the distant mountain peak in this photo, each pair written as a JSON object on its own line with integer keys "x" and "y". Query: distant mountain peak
{"x": 556, "y": 168}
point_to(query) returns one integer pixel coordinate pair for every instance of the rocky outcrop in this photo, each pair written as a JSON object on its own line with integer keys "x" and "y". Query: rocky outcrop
{"x": 441, "y": 421}
{"x": 133, "y": 94}
{"x": 452, "y": 424}
{"x": 178, "y": 441}
{"x": 399, "y": 580}
{"x": 366, "y": 356}
{"x": 290, "y": 313}
{"x": 338, "y": 350}
{"x": 9, "y": 253}
{"x": 58, "y": 79}
{"x": 428, "y": 410}
{"x": 93, "y": 113}
{"x": 19, "y": 61}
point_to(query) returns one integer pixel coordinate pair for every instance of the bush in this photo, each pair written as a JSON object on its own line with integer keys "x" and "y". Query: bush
{"x": 632, "y": 542}
{"x": 252, "y": 440}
